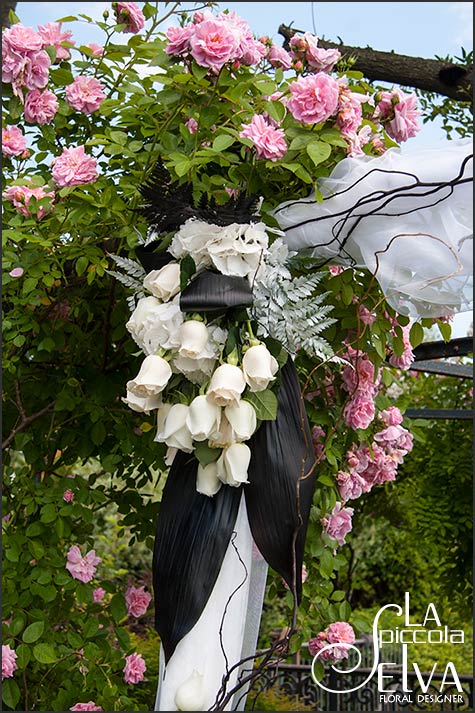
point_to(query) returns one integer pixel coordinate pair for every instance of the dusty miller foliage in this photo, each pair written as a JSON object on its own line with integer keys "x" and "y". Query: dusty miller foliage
{"x": 132, "y": 277}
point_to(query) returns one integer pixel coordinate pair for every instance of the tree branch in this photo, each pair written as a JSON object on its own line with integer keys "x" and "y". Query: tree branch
{"x": 25, "y": 421}
{"x": 432, "y": 75}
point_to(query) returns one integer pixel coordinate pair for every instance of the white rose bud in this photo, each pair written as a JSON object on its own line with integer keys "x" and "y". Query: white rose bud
{"x": 259, "y": 367}
{"x": 224, "y": 436}
{"x": 193, "y": 337}
{"x": 233, "y": 464}
{"x": 172, "y": 428}
{"x": 143, "y": 404}
{"x": 243, "y": 420}
{"x": 203, "y": 418}
{"x": 207, "y": 481}
{"x": 226, "y": 385}
{"x": 152, "y": 378}
{"x": 191, "y": 695}
{"x": 164, "y": 283}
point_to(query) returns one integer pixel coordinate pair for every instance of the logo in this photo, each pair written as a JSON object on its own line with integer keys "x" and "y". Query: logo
{"x": 408, "y": 633}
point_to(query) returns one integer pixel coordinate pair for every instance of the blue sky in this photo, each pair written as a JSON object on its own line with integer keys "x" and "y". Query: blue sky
{"x": 420, "y": 29}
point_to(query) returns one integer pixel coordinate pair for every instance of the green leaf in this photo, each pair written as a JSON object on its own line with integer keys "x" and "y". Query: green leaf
{"x": 187, "y": 270}
{"x": 205, "y": 454}
{"x": 81, "y": 265}
{"x": 33, "y": 632}
{"x": 23, "y": 653}
{"x": 60, "y": 76}
{"x": 326, "y": 563}
{"x": 265, "y": 404}
{"x": 48, "y": 513}
{"x": 446, "y": 330}
{"x": 416, "y": 334}
{"x": 118, "y": 607}
{"x": 10, "y": 693}
{"x": 98, "y": 433}
{"x": 222, "y": 142}
{"x": 318, "y": 151}
{"x": 91, "y": 627}
{"x": 44, "y": 653}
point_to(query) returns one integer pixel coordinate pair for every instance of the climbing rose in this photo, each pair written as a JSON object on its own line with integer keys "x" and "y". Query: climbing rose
{"x": 98, "y": 595}
{"x": 68, "y": 496}
{"x": 74, "y": 167}
{"x": 213, "y": 43}
{"x": 359, "y": 411}
{"x": 130, "y": 15}
{"x": 341, "y": 633}
{"x": 405, "y": 360}
{"x": 79, "y": 567}
{"x": 13, "y": 141}
{"x": 96, "y": 49}
{"x": 20, "y": 197}
{"x": 268, "y": 140}
{"x": 314, "y": 99}
{"x": 52, "y": 36}
{"x": 338, "y": 524}
{"x": 89, "y": 706}
{"x": 134, "y": 668}
{"x": 399, "y": 114}
{"x": 137, "y": 600}
{"x": 9, "y": 665}
{"x": 85, "y": 94}
{"x": 40, "y": 107}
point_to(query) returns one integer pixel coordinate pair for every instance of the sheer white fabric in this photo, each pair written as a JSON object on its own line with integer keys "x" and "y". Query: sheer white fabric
{"x": 405, "y": 215}
{"x": 226, "y": 630}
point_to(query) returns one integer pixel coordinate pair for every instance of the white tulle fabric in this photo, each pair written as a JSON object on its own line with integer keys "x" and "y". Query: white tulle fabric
{"x": 405, "y": 215}
{"x": 227, "y": 629}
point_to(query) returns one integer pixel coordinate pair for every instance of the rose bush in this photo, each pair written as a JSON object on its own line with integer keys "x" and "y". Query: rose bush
{"x": 83, "y": 129}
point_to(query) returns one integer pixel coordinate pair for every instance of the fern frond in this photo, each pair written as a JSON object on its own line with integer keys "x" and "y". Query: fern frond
{"x": 131, "y": 267}
{"x": 126, "y": 280}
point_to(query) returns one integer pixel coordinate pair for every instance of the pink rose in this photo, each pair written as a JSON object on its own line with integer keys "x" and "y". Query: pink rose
{"x": 317, "y": 643}
{"x": 98, "y": 595}
{"x": 9, "y": 665}
{"x": 89, "y": 706}
{"x": 350, "y": 113}
{"x": 16, "y": 272}
{"x": 305, "y": 48}
{"x": 405, "y": 360}
{"x": 134, "y": 668}
{"x": 20, "y": 196}
{"x": 79, "y": 567}
{"x": 192, "y": 125}
{"x": 376, "y": 466}
{"x": 52, "y": 36}
{"x": 268, "y": 140}
{"x": 22, "y": 39}
{"x": 36, "y": 72}
{"x": 250, "y": 51}
{"x": 68, "y": 496}
{"x": 130, "y": 15}
{"x": 74, "y": 168}
{"x": 13, "y": 141}
{"x": 179, "y": 39}
{"x": 279, "y": 57}
{"x": 96, "y": 49}
{"x": 338, "y": 524}
{"x": 213, "y": 44}
{"x": 335, "y": 270}
{"x": 391, "y": 416}
{"x": 85, "y": 94}
{"x": 351, "y": 485}
{"x": 314, "y": 99}
{"x": 359, "y": 411}
{"x": 399, "y": 113}
{"x": 340, "y": 632}
{"x": 318, "y": 434}
{"x": 40, "y": 107}
{"x": 365, "y": 315}
{"x": 137, "y": 600}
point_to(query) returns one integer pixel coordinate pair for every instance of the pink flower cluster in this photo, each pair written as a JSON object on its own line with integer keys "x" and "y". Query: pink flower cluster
{"x": 366, "y": 466}
{"x": 338, "y": 523}
{"x": 306, "y": 54}
{"x": 404, "y": 360}
{"x": 53, "y": 36}
{"x": 9, "y": 665}
{"x": 40, "y": 107}
{"x": 268, "y": 139}
{"x": 361, "y": 381}
{"x": 21, "y": 196}
{"x": 79, "y": 567}
{"x": 399, "y": 114}
{"x": 85, "y": 94}
{"x": 14, "y": 142}
{"x": 134, "y": 669}
{"x": 339, "y": 636}
{"x": 314, "y": 98}
{"x": 137, "y": 600}
{"x": 214, "y": 41}
{"x": 349, "y": 118}
{"x": 89, "y": 706}
{"x": 130, "y": 15}
{"x": 73, "y": 167}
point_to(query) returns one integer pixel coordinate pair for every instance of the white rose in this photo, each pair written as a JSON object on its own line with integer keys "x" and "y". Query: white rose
{"x": 240, "y": 250}
{"x": 259, "y": 367}
{"x": 172, "y": 428}
{"x": 203, "y": 418}
{"x": 193, "y": 239}
{"x": 154, "y": 324}
{"x": 224, "y": 436}
{"x": 207, "y": 481}
{"x": 142, "y": 404}
{"x": 226, "y": 385}
{"x": 193, "y": 337}
{"x": 191, "y": 695}
{"x": 233, "y": 463}
{"x": 242, "y": 418}
{"x": 152, "y": 378}
{"x": 196, "y": 370}
{"x": 164, "y": 283}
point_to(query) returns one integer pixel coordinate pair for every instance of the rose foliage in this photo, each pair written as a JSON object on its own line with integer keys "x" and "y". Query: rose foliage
{"x": 83, "y": 128}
